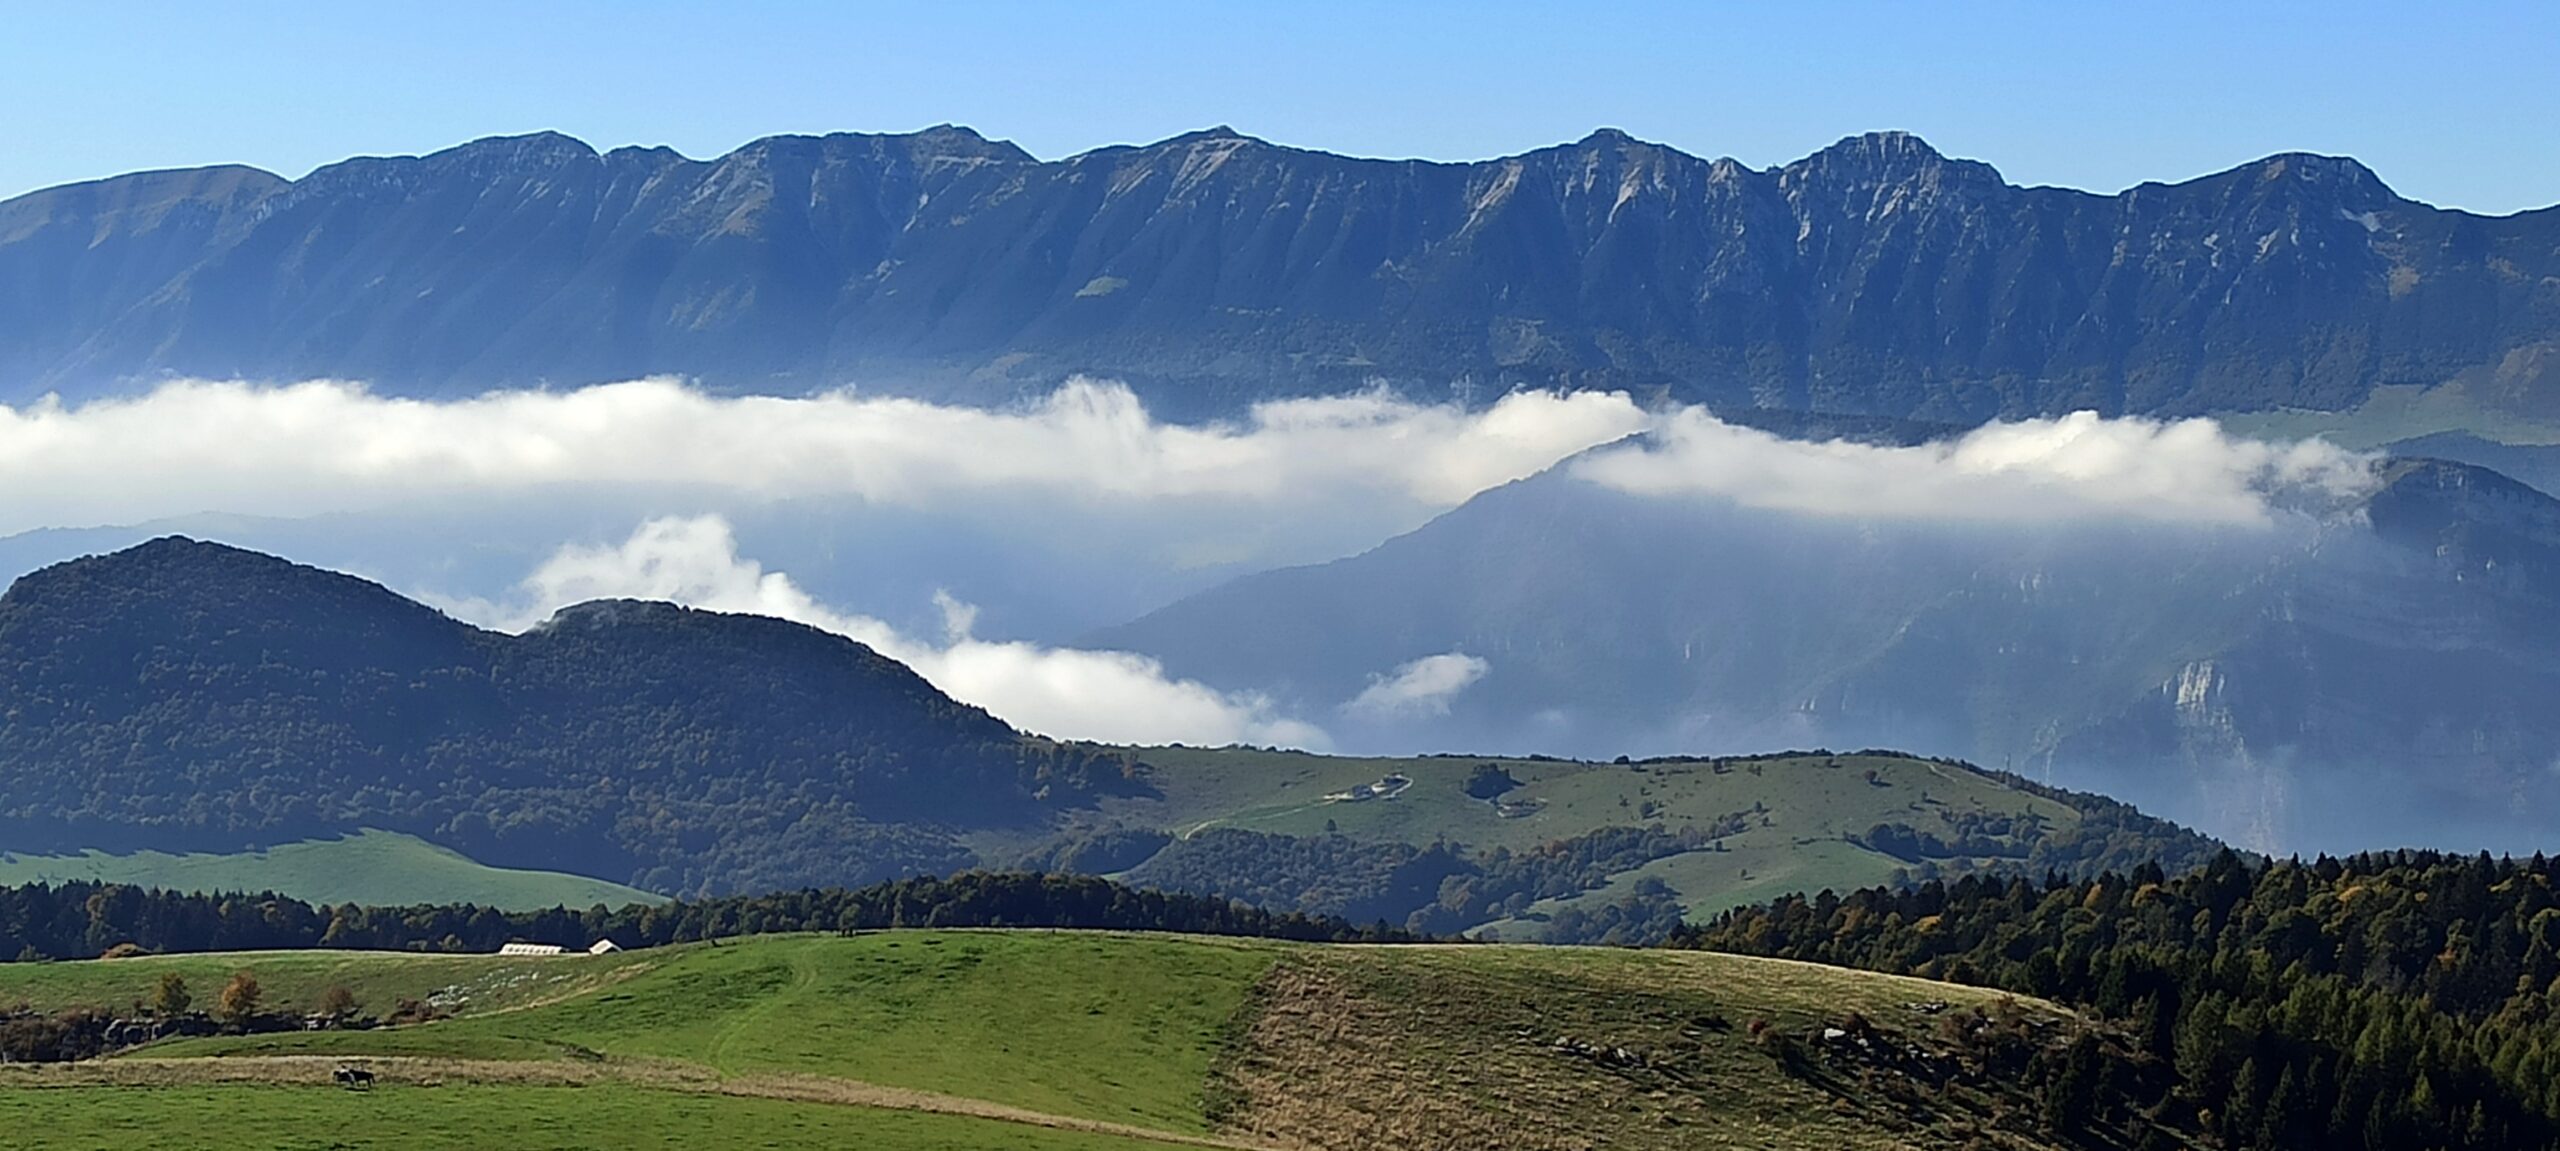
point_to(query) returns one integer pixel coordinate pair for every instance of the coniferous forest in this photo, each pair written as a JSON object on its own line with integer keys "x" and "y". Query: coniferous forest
{"x": 2390, "y": 1001}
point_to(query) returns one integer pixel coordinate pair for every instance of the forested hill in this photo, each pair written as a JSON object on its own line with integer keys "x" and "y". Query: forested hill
{"x": 186, "y": 695}
{"x": 1213, "y": 269}
{"x": 2387, "y": 1002}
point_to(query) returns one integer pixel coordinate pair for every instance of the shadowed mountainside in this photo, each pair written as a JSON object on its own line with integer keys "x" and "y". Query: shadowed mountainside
{"x": 183, "y": 695}
{"x": 1876, "y": 277}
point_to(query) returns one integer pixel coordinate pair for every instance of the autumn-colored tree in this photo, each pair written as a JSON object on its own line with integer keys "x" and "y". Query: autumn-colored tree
{"x": 239, "y": 1002}
{"x": 338, "y": 1002}
{"x": 172, "y": 1000}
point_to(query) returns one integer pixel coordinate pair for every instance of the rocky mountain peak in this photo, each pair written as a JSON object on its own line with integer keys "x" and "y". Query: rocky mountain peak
{"x": 533, "y": 149}
{"x": 1215, "y": 135}
{"x": 962, "y": 142}
{"x": 1884, "y": 160}
{"x": 2337, "y": 181}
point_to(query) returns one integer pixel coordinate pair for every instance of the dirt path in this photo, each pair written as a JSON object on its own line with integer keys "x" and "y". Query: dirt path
{"x": 662, "y": 1075}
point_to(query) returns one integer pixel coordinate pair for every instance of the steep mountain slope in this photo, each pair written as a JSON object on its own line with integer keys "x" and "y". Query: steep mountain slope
{"x": 187, "y": 695}
{"x": 2376, "y": 677}
{"x": 1211, "y": 269}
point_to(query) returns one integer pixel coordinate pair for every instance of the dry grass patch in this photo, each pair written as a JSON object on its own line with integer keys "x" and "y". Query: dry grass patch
{"x": 1576, "y": 1050}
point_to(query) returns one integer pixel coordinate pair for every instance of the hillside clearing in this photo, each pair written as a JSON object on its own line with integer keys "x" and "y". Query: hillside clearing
{"x": 295, "y": 981}
{"x": 1103, "y": 1027}
{"x": 372, "y": 868}
{"x": 1784, "y": 824}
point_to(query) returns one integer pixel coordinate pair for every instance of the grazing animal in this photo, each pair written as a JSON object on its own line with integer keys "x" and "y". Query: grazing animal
{"x": 355, "y": 1079}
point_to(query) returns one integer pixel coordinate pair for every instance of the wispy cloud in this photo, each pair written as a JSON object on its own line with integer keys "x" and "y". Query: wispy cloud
{"x": 1069, "y": 693}
{"x": 2067, "y": 468}
{"x": 1420, "y": 688}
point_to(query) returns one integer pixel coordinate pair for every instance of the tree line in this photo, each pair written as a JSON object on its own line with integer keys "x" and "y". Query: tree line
{"x": 84, "y": 920}
{"x": 1434, "y": 889}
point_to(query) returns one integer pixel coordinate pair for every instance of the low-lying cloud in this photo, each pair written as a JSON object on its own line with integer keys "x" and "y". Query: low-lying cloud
{"x": 193, "y": 446}
{"x": 2068, "y": 468}
{"x": 1090, "y": 448}
{"x": 1423, "y": 687}
{"x": 1114, "y": 697}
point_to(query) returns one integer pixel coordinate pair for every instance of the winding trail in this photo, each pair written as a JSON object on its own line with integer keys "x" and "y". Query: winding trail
{"x": 804, "y": 975}
{"x": 655, "y": 1074}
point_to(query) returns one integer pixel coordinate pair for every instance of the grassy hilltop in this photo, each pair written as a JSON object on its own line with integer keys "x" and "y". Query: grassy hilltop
{"x": 1756, "y": 827}
{"x": 1036, "y": 1040}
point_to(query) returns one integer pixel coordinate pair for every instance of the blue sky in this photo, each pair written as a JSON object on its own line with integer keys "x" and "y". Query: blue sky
{"x": 2451, "y": 103}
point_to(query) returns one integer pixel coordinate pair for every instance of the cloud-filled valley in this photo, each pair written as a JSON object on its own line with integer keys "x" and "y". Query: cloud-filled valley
{"x": 995, "y": 550}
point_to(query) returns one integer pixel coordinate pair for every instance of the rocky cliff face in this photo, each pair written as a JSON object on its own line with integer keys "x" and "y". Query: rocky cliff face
{"x": 1874, "y": 277}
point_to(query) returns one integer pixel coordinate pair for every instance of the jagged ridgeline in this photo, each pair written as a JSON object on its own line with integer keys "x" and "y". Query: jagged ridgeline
{"x": 184, "y": 695}
{"x": 1212, "y": 270}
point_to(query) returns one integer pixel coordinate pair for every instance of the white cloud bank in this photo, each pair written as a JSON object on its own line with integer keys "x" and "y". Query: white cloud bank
{"x": 1110, "y": 696}
{"x": 1423, "y": 687}
{"x": 193, "y": 446}
{"x": 302, "y": 449}
{"x": 2077, "y": 466}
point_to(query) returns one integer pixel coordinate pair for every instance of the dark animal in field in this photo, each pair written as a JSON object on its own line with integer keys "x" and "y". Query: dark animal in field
{"x": 355, "y": 1078}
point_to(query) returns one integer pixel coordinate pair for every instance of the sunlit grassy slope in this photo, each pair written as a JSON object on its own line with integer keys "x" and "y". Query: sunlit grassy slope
{"x": 1107, "y": 1027}
{"x": 1799, "y": 809}
{"x": 375, "y": 868}
{"x": 296, "y": 980}
{"x": 1237, "y": 1043}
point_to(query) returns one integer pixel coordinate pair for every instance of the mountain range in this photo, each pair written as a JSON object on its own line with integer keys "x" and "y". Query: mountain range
{"x": 1212, "y": 270}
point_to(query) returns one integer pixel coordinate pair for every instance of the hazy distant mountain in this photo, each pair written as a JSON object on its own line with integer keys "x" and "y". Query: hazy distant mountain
{"x": 2535, "y": 464}
{"x": 1874, "y": 277}
{"x": 2370, "y": 679}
